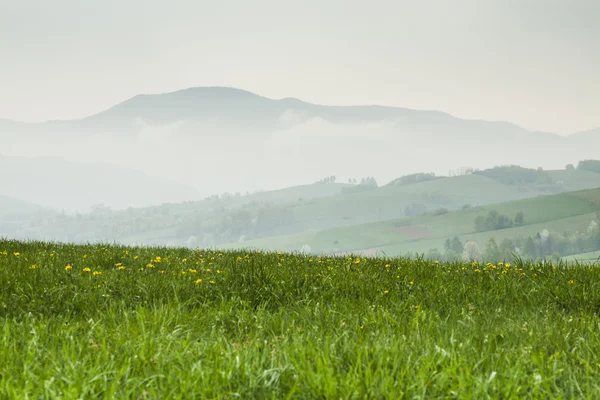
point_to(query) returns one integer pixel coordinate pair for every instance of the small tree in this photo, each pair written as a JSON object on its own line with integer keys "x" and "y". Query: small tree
{"x": 492, "y": 253}
{"x": 520, "y": 219}
{"x": 434, "y": 255}
{"x": 530, "y": 249}
{"x": 506, "y": 249}
{"x": 593, "y": 227}
{"x": 472, "y": 252}
{"x": 456, "y": 245}
{"x": 480, "y": 225}
{"x": 447, "y": 244}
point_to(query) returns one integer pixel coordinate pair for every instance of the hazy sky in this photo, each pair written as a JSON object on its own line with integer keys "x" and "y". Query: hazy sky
{"x": 532, "y": 62}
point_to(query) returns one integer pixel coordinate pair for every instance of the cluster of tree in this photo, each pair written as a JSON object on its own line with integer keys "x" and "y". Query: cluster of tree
{"x": 470, "y": 251}
{"x": 545, "y": 244}
{"x": 453, "y": 250}
{"x": 463, "y": 171}
{"x": 518, "y": 176}
{"x": 368, "y": 183}
{"x": 413, "y": 178}
{"x": 589, "y": 165}
{"x": 439, "y": 211}
{"x": 431, "y": 198}
{"x": 494, "y": 252}
{"x": 328, "y": 179}
{"x": 415, "y": 209}
{"x": 494, "y": 221}
{"x": 541, "y": 246}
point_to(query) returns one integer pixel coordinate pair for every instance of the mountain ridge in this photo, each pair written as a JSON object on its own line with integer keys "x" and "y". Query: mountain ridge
{"x": 245, "y": 107}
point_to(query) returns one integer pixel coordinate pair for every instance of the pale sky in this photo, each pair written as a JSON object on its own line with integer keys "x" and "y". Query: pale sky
{"x": 531, "y": 62}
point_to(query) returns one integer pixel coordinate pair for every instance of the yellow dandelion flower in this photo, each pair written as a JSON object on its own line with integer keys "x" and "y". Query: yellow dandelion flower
{"x": 16, "y": 254}
{"x": 68, "y": 268}
{"x": 86, "y": 269}
{"x": 411, "y": 282}
{"x": 97, "y": 273}
{"x": 386, "y": 291}
{"x": 571, "y": 282}
{"x": 212, "y": 282}
{"x": 33, "y": 266}
{"x": 198, "y": 281}
{"x": 192, "y": 271}
{"x": 121, "y": 267}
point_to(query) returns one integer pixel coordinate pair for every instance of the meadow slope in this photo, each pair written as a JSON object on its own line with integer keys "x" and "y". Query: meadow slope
{"x": 560, "y": 212}
{"x": 124, "y": 322}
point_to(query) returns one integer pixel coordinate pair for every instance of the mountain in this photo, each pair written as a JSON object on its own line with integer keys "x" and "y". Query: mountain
{"x": 592, "y": 133}
{"x": 231, "y": 109}
{"x": 240, "y": 109}
{"x": 225, "y": 139}
{"x": 71, "y": 186}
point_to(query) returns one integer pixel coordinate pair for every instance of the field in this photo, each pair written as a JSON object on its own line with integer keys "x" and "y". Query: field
{"x": 125, "y": 322}
{"x": 559, "y": 212}
{"x": 264, "y": 219}
{"x": 593, "y": 256}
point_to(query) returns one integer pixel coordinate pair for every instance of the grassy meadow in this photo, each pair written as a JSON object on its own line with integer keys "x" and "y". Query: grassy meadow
{"x": 102, "y": 321}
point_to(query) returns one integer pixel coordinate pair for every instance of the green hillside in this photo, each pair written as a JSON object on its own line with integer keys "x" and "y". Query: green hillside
{"x": 593, "y": 256}
{"x": 10, "y": 206}
{"x": 568, "y": 211}
{"x": 291, "y": 217}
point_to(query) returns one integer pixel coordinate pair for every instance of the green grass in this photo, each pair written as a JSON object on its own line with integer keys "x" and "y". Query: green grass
{"x": 290, "y": 326}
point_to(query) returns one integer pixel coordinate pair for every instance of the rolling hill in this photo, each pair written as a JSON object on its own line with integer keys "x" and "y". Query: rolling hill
{"x": 15, "y": 207}
{"x": 292, "y": 217}
{"x": 71, "y": 186}
{"x": 571, "y": 211}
